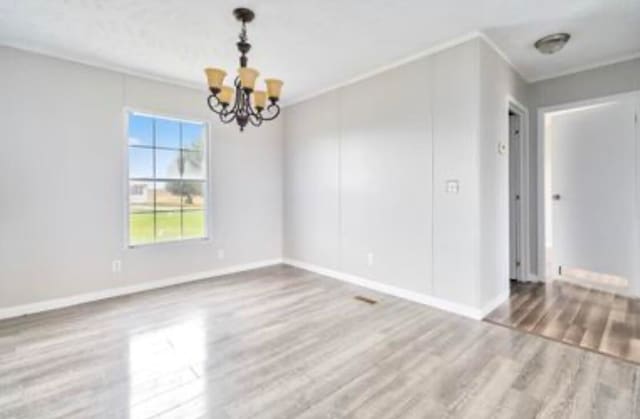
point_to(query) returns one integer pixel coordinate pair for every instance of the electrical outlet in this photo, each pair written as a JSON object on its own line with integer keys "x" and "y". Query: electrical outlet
{"x": 370, "y": 259}
{"x": 220, "y": 253}
{"x": 116, "y": 266}
{"x": 453, "y": 186}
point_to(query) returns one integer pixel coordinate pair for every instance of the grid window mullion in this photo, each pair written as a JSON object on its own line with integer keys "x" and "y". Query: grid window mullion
{"x": 181, "y": 165}
{"x": 163, "y": 198}
{"x": 155, "y": 186}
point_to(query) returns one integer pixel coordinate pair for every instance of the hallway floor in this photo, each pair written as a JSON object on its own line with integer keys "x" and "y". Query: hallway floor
{"x": 588, "y": 318}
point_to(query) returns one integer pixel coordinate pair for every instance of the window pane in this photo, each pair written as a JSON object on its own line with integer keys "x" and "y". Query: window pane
{"x": 140, "y": 196}
{"x": 193, "y": 224}
{"x": 167, "y": 185}
{"x": 140, "y": 162}
{"x": 192, "y": 136}
{"x": 192, "y": 195}
{"x": 168, "y": 225}
{"x": 168, "y": 164}
{"x": 194, "y": 165}
{"x": 140, "y": 130}
{"x": 140, "y": 228}
{"x": 168, "y": 196}
{"x": 167, "y": 133}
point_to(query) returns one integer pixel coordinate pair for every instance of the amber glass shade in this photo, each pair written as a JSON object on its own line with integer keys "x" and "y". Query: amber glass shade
{"x": 274, "y": 86}
{"x": 215, "y": 77}
{"x": 226, "y": 94}
{"x": 259, "y": 99}
{"x": 248, "y": 77}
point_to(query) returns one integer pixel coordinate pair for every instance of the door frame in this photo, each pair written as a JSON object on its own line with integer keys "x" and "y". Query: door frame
{"x": 524, "y": 250}
{"x": 542, "y": 198}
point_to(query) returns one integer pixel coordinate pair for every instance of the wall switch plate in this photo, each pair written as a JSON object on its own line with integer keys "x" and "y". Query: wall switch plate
{"x": 220, "y": 253}
{"x": 453, "y": 186}
{"x": 116, "y": 266}
{"x": 370, "y": 259}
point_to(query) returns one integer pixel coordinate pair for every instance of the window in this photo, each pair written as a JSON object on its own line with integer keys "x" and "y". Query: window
{"x": 167, "y": 179}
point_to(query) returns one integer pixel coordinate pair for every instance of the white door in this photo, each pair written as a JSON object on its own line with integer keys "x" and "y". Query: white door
{"x": 593, "y": 180}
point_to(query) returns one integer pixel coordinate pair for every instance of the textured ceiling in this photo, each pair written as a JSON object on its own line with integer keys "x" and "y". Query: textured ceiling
{"x": 313, "y": 44}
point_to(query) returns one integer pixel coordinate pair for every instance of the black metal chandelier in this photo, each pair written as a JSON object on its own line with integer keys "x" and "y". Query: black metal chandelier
{"x": 242, "y": 103}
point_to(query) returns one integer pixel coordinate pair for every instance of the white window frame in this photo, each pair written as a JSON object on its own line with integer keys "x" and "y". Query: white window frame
{"x": 206, "y": 198}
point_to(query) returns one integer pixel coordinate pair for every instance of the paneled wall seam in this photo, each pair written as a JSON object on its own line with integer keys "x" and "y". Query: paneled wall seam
{"x": 339, "y": 135}
{"x": 432, "y": 121}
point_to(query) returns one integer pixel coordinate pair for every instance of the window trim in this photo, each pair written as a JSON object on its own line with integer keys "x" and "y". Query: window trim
{"x": 127, "y": 110}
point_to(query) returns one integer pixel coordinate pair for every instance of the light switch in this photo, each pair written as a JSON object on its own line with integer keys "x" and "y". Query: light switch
{"x": 453, "y": 186}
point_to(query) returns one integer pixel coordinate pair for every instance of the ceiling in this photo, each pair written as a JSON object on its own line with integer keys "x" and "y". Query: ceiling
{"x": 314, "y": 44}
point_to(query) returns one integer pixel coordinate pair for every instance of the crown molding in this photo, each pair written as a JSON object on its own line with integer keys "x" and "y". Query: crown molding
{"x": 100, "y": 65}
{"x": 503, "y": 55}
{"x": 594, "y": 66}
{"x": 409, "y": 59}
{"x": 386, "y": 67}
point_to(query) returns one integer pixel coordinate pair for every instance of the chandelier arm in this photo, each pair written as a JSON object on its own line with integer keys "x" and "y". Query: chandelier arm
{"x": 219, "y": 110}
{"x": 256, "y": 121}
{"x": 227, "y": 117}
{"x": 254, "y": 117}
{"x": 271, "y": 108}
{"x": 237, "y": 105}
{"x": 251, "y": 110}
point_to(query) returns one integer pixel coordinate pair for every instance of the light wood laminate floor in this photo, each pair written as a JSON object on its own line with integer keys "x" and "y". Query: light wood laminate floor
{"x": 585, "y": 317}
{"x": 280, "y": 342}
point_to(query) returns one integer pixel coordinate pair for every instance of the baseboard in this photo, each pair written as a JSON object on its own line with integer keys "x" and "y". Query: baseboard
{"x": 533, "y": 278}
{"x": 456, "y": 308}
{"x": 493, "y": 304}
{"x": 73, "y": 300}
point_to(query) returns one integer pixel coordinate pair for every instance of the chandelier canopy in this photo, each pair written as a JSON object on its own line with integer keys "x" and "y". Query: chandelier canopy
{"x": 242, "y": 103}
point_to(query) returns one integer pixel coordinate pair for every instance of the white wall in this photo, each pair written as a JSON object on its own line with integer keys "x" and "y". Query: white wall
{"x": 366, "y": 168}
{"x": 499, "y": 85}
{"x": 62, "y": 168}
{"x": 603, "y": 81}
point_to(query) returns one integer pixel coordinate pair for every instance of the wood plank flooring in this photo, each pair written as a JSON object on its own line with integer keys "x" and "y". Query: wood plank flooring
{"x": 281, "y": 342}
{"x": 585, "y": 317}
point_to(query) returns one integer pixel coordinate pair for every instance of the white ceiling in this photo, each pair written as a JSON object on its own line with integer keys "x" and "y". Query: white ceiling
{"x": 314, "y": 44}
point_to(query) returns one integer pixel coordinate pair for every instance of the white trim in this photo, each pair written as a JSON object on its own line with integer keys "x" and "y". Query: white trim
{"x": 100, "y": 65}
{"x": 127, "y": 112}
{"x": 525, "y": 154}
{"x": 502, "y": 54}
{"x": 456, "y": 308}
{"x": 386, "y": 67}
{"x": 493, "y": 304}
{"x": 579, "y": 69}
{"x": 73, "y": 300}
{"x": 533, "y": 278}
{"x": 411, "y": 58}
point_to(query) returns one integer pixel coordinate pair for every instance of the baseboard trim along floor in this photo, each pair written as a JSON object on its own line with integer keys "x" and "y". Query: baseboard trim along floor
{"x": 456, "y": 308}
{"x": 73, "y": 300}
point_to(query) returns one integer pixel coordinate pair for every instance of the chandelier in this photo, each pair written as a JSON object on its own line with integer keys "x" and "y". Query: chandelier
{"x": 242, "y": 103}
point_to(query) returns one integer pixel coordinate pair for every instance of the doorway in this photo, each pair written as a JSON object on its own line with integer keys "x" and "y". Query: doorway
{"x": 590, "y": 193}
{"x": 517, "y": 193}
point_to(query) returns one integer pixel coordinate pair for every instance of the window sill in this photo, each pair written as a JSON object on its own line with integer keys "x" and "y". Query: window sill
{"x": 169, "y": 243}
